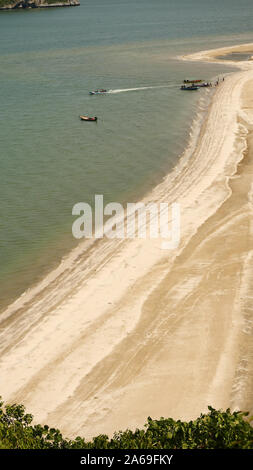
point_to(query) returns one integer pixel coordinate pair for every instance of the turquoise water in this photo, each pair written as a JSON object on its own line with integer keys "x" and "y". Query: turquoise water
{"x": 49, "y": 60}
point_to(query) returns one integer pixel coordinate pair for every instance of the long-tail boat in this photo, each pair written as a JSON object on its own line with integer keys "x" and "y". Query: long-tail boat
{"x": 189, "y": 88}
{"x": 87, "y": 118}
{"x": 193, "y": 81}
{"x": 98, "y": 92}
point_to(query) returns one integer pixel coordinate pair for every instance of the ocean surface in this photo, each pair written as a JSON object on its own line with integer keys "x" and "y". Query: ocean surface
{"x": 49, "y": 159}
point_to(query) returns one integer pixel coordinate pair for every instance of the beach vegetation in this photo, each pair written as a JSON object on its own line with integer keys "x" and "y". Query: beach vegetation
{"x": 31, "y": 4}
{"x": 215, "y": 430}
{"x": 4, "y": 3}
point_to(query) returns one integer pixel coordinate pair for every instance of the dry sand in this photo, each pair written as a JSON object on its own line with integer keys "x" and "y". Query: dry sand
{"x": 122, "y": 329}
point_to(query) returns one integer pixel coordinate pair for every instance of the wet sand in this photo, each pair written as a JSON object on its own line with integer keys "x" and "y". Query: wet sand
{"x": 123, "y": 330}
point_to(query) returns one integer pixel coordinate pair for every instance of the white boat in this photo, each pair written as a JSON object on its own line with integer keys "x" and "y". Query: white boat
{"x": 98, "y": 92}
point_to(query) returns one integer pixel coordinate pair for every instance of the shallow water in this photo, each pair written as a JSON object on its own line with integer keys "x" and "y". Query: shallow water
{"x": 236, "y": 56}
{"x": 50, "y": 60}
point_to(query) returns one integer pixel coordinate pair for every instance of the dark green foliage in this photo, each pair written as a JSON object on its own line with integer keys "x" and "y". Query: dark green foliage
{"x": 6, "y": 2}
{"x": 16, "y": 431}
{"x": 215, "y": 430}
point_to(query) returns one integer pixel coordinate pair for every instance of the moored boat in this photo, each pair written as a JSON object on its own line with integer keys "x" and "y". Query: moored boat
{"x": 189, "y": 88}
{"x": 87, "y": 118}
{"x": 193, "y": 81}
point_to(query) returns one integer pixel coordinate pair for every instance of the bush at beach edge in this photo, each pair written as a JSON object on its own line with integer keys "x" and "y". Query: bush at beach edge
{"x": 215, "y": 430}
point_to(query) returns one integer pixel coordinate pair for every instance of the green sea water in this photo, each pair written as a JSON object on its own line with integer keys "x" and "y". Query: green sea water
{"x": 49, "y": 159}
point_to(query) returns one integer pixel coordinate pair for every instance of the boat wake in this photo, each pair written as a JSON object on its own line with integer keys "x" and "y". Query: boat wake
{"x": 124, "y": 90}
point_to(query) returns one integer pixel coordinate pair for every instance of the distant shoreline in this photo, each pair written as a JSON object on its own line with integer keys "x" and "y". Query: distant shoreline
{"x": 29, "y": 4}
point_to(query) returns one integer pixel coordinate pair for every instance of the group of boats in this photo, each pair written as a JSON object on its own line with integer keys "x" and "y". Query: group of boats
{"x": 188, "y": 85}
{"x": 191, "y": 85}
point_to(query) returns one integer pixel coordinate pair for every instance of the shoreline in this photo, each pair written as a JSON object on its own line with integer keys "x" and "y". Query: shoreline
{"x": 212, "y": 55}
{"x": 73, "y": 253}
{"x": 30, "y": 4}
{"x": 169, "y": 334}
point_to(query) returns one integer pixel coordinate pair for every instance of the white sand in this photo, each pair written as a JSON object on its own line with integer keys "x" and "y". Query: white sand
{"x": 122, "y": 329}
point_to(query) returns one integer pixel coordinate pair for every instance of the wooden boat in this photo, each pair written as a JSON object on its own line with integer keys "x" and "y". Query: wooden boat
{"x": 193, "y": 81}
{"x": 87, "y": 118}
{"x": 189, "y": 88}
{"x": 98, "y": 92}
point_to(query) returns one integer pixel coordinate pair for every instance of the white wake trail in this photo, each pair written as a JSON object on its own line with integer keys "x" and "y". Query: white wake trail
{"x": 124, "y": 90}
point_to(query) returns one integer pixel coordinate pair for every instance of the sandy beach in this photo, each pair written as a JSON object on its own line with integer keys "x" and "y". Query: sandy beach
{"x": 122, "y": 329}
